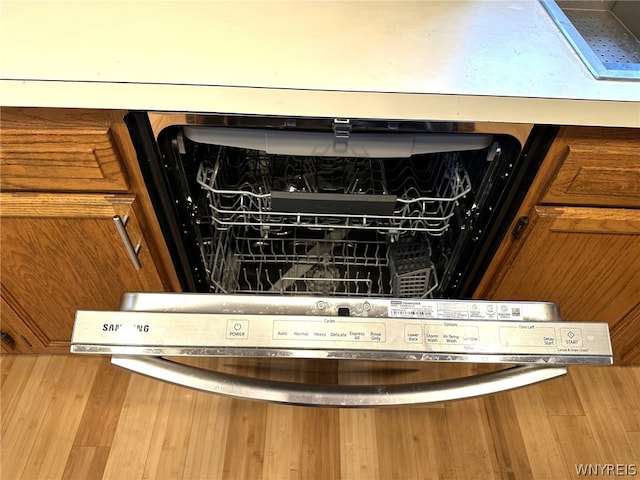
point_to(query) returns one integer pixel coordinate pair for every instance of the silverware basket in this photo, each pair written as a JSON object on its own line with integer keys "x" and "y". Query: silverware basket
{"x": 412, "y": 272}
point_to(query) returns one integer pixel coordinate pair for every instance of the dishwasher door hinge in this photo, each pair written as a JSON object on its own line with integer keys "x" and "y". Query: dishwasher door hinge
{"x": 342, "y": 127}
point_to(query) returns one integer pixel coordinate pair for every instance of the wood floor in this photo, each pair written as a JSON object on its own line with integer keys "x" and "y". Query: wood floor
{"x": 79, "y": 417}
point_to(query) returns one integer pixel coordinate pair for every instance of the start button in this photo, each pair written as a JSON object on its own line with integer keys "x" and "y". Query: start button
{"x": 571, "y": 337}
{"x": 238, "y": 329}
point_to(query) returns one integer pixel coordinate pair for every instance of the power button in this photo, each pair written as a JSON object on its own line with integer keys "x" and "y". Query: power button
{"x": 237, "y": 329}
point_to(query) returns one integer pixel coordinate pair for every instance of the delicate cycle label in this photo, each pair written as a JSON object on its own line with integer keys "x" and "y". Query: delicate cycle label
{"x": 451, "y": 309}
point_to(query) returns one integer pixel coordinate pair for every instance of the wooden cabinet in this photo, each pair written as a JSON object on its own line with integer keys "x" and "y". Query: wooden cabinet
{"x": 16, "y": 335}
{"x": 585, "y": 258}
{"x": 61, "y": 250}
{"x": 63, "y": 158}
{"x": 62, "y": 150}
{"x": 599, "y": 167}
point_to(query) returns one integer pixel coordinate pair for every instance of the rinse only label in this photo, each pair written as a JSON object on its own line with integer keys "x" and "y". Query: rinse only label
{"x": 455, "y": 310}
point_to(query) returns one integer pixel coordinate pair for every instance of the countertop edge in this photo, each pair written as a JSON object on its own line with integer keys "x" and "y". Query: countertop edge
{"x": 321, "y": 103}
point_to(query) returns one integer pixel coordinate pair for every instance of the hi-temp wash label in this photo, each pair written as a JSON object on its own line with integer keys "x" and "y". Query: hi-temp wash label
{"x": 455, "y": 310}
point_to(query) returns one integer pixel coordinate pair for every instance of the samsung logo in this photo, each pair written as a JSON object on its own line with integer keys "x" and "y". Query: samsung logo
{"x": 114, "y": 327}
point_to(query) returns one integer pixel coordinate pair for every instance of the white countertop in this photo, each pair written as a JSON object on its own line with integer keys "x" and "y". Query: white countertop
{"x": 470, "y": 60}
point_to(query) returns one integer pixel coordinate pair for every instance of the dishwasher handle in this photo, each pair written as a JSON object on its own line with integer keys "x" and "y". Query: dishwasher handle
{"x": 336, "y": 395}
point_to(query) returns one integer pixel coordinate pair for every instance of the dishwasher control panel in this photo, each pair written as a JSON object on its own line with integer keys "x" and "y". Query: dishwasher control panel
{"x": 317, "y": 336}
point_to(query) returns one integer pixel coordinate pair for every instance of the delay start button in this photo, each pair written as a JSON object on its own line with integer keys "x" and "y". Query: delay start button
{"x": 238, "y": 329}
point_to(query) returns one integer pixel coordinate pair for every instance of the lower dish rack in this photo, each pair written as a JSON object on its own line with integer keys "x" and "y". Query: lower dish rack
{"x": 253, "y": 188}
{"x": 336, "y": 262}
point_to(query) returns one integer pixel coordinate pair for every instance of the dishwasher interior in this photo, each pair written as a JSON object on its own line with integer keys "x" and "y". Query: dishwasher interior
{"x": 383, "y": 209}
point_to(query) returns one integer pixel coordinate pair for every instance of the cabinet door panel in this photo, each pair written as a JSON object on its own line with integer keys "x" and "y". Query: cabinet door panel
{"x": 587, "y": 260}
{"x": 626, "y": 337}
{"x": 60, "y": 160}
{"x": 599, "y": 167}
{"x": 55, "y": 150}
{"x": 62, "y": 253}
{"x": 16, "y": 335}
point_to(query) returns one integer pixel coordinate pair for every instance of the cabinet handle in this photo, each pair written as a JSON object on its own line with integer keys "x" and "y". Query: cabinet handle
{"x": 520, "y": 227}
{"x": 7, "y": 339}
{"x": 132, "y": 251}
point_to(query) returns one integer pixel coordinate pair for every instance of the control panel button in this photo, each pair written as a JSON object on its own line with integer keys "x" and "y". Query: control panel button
{"x": 571, "y": 337}
{"x": 329, "y": 331}
{"x": 527, "y": 335}
{"x": 451, "y": 333}
{"x": 413, "y": 333}
{"x": 238, "y": 329}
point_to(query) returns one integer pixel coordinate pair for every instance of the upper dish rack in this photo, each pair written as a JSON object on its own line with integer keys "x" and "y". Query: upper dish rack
{"x": 254, "y": 188}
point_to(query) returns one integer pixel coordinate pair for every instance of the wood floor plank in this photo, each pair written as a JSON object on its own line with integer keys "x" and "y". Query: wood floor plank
{"x": 627, "y": 393}
{"x": 21, "y": 423}
{"x": 577, "y": 442}
{"x": 86, "y": 463}
{"x": 7, "y": 359}
{"x": 281, "y": 434}
{"x": 171, "y": 434}
{"x": 15, "y": 375}
{"x": 49, "y": 454}
{"x": 603, "y": 418}
{"x": 543, "y": 449}
{"x": 245, "y": 437}
{"x": 105, "y": 402}
{"x": 506, "y": 441}
{"x": 358, "y": 437}
{"x": 634, "y": 441}
{"x": 396, "y": 455}
{"x": 466, "y": 431}
{"x": 635, "y": 370}
{"x": 128, "y": 455}
{"x": 560, "y": 397}
{"x": 435, "y": 458}
{"x": 320, "y": 444}
{"x": 208, "y": 441}
{"x": 358, "y": 444}
{"x": 93, "y": 439}
{"x": 315, "y": 432}
{"x": 6, "y": 362}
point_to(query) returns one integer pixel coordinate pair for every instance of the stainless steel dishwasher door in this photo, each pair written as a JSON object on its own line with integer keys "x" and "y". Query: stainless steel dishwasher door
{"x": 529, "y": 335}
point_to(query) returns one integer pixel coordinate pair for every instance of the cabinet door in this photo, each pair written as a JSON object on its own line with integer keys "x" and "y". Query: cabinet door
{"x": 587, "y": 260}
{"x": 16, "y": 336}
{"x": 61, "y": 150}
{"x": 626, "y": 337}
{"x": 63, "y": 252}
{"x": 599, "y": 166}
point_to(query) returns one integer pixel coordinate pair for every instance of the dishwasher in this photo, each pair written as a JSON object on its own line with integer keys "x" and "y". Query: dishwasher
{"x": 325, "y": 239}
